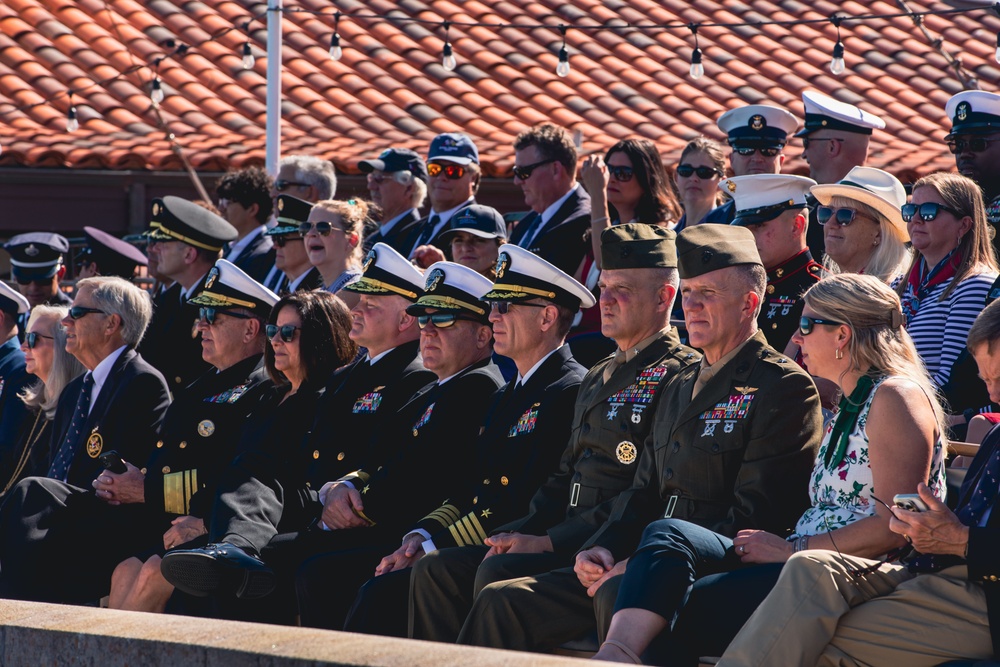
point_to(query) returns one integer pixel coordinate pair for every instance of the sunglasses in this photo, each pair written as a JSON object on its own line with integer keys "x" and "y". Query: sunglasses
{"x": 451, "y": 171}
{"x": 973, "y": 145}
{"x": 24, "y": 282}
{"x": 31, "y": 339}
{"x": 281, "y": 184}
{"x": 76, "y": 312}
{"x": 842, "y": 216}
{"x": 927, "y": 211}
{"x": 440, "y": 320}
{"x": 287, "y": 332}
{"x": 622, "y": 173}
{"x": 209, "y": 315}
{"x": 806, "y": 324}
{"x": 281, "y": 239}
{"x": 807, "y": 140}
{"x": 704, "y": 173}
{"x": 322, "y": 228}
{"x": 503, "y": 307}
{"x": 524, "y": 173}
{"x": 747, "y": 151}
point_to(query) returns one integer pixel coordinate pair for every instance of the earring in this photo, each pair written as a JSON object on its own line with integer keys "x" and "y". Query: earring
{"x": 875, "y": 242}
{"x": 838, "y": 353}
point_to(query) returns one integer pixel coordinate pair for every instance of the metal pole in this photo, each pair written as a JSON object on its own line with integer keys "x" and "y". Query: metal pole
{"x": 272, "y": 151}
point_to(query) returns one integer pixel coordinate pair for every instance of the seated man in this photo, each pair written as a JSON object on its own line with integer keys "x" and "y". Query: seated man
{"x": 938, "y": 605}
{"x": 292, "y": 269}
{"x": 13, "y": 377}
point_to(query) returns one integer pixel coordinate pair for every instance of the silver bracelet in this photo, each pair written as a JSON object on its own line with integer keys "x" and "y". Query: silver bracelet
{"x": 603, "y": 218}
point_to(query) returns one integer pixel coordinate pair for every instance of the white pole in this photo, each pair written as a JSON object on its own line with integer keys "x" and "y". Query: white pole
{"x": 272, "y": 150}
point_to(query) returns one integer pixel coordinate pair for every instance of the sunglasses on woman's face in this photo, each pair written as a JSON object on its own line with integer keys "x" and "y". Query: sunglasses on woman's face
{"x": 806, "y": 324}
{"x": 842, "y": 216}
{"x": 210, "y": 315}
{"x": 287, "y": 332}
{"x": 704, "y": 173}
{"x": 622, "y": 173}
{"x": 440, "y": 320}
{"x": 31, "y": 339}
{"x": 927, "y": 211}
{"x": 451, "y": 171}
{"x": 322, "y": 228}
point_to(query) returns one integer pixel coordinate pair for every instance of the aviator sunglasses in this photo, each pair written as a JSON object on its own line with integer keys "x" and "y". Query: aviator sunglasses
{"x": 322, "y": 228}
{"x": 440, "y": 320}
{"x": 806, "y": 324}
{"x": 209, "y": 315}
{"x": 287, "y": 332}
{"x": 973, "y": 145}
{"x": 927, "y": 211}
{"x": 747, "y": 151}
{"x": 452, "y": 171}
{"x": 31, "y": 339}
{"x": 704, "y": 173}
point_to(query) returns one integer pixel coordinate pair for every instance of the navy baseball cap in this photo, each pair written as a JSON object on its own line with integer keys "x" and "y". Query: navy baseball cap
{"x": 453, "y": 147}
{"x": 482, "y": 221}
{"x": 396, "y": 159}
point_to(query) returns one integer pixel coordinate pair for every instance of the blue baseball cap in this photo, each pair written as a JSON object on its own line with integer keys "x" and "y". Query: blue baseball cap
{"x": 453, "y": 147}
{"x": 396, "y": 159}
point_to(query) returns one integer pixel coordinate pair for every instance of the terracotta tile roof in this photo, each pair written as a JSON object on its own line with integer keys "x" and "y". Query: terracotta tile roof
{"x": 390, "y": 87}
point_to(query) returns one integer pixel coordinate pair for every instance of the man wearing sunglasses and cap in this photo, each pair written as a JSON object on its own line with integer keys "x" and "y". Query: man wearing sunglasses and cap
{"x": 975, "y": 140}
{"x": 733, "y": 444}
{"x": 185, "y": 240}
{"x": 532, "y": 306}
{"x": 13, "y": 377}
{"x": 107, "y": 255}
{"x": 397, "y": 183}
{"x": 757, "y": 133}
{"x": 36, "y": 261}
{"x": 613, "y": 417}
{"x": 292, "y": 269}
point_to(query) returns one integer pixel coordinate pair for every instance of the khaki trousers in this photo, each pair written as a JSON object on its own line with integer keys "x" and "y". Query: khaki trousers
{"x": 818, "y": 614}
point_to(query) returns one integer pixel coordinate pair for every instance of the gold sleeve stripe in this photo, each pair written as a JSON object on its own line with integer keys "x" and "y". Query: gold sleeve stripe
{"x": 445, "y": 515}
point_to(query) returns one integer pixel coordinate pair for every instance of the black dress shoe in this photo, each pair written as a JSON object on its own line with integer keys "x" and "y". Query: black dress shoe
{"x": 218, "y": 568}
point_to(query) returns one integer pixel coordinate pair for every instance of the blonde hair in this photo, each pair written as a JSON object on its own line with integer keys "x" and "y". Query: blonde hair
{"x": 890, "y": 257}
{"x": 879, "y": 344}
{"x": 353, "y": 214}
{"x": 65, "y": 367}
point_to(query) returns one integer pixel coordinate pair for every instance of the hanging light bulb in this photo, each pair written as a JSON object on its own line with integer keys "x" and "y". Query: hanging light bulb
{"x": 248, "y": 59}
{"x": 336, "y": 52}
{"x": 72, "y": 124}
{"x": 562, "y": 69}
{"x": 837, "y": 63}
{"x": 697, "y": 70}
{"x": 448, "y": 58}
{"x": 156, "y": 94}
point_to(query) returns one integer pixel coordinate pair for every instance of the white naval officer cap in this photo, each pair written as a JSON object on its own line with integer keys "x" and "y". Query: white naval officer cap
{"x": 228, "y": 286}
{"x": 758, "y": 124}
{"x": 973, "y": 112}
{"x": 522, "y": 275}
{"x": 824, "y": 112}
{"x": 453, "y": 287}
{"x": 763, "y": 197}
{"x": 12, "y": 301}
{"x": 388, "y": 272}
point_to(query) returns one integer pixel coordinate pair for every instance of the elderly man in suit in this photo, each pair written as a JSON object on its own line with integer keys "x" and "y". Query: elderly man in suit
{"x": 118, "y": 404}
{"x": 397, "y": 182}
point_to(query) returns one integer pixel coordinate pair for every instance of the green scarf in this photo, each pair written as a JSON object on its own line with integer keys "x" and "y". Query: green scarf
{"x": 847, "y": 417}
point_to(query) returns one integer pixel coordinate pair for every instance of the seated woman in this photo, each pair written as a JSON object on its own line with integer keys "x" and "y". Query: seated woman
{"x": 308, "y": 340}
{"x": 886, "y": 438}
{"x": 863, "y": 229}
{"x": 332, "y": 238}
{"x": 475, "y": 235}
{"x": 696, "y": 177}
{"x": 46, "y": 358}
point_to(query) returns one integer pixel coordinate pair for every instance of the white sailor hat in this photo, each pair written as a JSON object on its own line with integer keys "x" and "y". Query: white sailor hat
{"x": 451, "y": 286}
{"x": 758, "y": 125}
{"x": 523, "y": 275}
{"x": 228, "y": 286}
{"x": 11, "y": 301}
{"x": 36, "y": 255}
{"x": 388, "y": 272}
{"x": 823, "y": 112}
{"x": 763, "y": 197}
{"x": 973, "y": 112}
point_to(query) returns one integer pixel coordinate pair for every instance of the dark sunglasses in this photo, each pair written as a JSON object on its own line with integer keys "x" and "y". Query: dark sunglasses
{"x": 76, "y": 312}
{"x": 806, "y": 324}
{"x": 281, "y": 239}
{"x": 503, "y": 307}
{"x": 524, "y": 173}
{"x": 209, "y": 315}
{"x": 281, "y": 184}
{"x": 322, "y": 228}
{"x": 31, "y": 339}
{"x": 452, "y": 171}
{"x": 24, "y": 282}
{"x": 704, "y": 173}
{"x": 973, "y": 145}
{"x": 440, "y": 320}
{"x": 287, "y": 332}
{"x": 842, "y": 216}
{"x": 927, "y": 211}
{"x": 747, "y": 151}
{"x": 807, "y": 140}
{"x": 622, "y": 173}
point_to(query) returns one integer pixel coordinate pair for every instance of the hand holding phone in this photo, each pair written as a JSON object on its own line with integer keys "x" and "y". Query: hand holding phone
{"x": 910, "y": 501}
{"x": 113, "y": 462}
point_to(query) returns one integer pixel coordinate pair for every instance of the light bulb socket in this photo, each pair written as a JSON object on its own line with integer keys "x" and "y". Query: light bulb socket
{"x": 564, "y": 54}
{"x": 334, "y": 40}
{"x": 696, "y": 57}
{"x": 246, "y": 50}
{"x": 71, "y": 114}
{"x": 838, "y": 49}
{"x": 447, "y": 52}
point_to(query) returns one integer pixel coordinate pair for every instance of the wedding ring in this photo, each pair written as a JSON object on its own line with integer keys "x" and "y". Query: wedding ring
{"x": 741, "y": 549}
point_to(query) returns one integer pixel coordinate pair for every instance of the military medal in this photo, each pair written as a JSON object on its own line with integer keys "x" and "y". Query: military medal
{"x": 206, "y": 428}
{"x": 95, "y": 443}
{"x": 526, "y": 424}
{"x": 369, "y": 402}
{"x": 626, "y": 452}
{"x": 728, "y": 412}
{"x": 424, "y": 419}
{"x": 639, "y": 394}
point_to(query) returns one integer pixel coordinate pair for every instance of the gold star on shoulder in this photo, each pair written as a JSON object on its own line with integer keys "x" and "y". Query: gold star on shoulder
{"x": 365, "y": 490}
{"x": 486, "y": 513}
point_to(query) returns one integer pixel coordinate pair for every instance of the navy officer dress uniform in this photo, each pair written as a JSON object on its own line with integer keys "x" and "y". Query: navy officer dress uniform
{"x": 110, "y": 255}
{"x": 290, "y": 212}
{"x": 736, "y": 454}
{"x": 171, "y": 343}
{"x": 37, "y": 257}
{"x": 13, "y": 379}
{"x": 612, "y": 418}
{"x": 520, "y": 446}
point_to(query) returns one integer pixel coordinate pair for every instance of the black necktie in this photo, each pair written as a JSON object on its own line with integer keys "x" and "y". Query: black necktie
{"x": 530, "y": 232}
{"x": 428, "y": 231}
{"x": 60, "y": 464}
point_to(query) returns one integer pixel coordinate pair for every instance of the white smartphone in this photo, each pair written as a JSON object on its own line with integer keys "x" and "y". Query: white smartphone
{"x": 910, "y": 501}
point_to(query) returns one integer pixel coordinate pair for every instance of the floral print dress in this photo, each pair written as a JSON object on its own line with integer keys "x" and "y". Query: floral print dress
{"x": 843, "y": 494}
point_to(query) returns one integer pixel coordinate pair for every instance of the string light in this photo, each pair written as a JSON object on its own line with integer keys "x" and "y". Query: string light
{"x": 72, "y": 124}
{"x": 336, "y": 52}
{"x": 156, "y": 94}
{"x": 562, "y": 69}
{"x": 248, "y": 59}
{"x": 837, "y": 63}
{"x": 697, "y": 70}
{"x": 447, "y": 56}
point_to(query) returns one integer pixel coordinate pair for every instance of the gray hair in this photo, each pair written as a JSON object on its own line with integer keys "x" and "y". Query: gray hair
{"x": 117, "y": 296}
{"x": 65, "y": 367}
{"x": 313, "y": 171}
{"x": 891, "y": 256}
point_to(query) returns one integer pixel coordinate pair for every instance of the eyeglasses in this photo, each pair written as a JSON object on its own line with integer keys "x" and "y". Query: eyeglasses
{"x": 806, "y": 324}
{"x": 76, "y": 312}
{"x": 503, "y": 307}
{"x": 287, "y": 332}
{"x": 927, "y": 211}
{"x": 807, "y": 140}
{"x": 322, "y": 228}
{"x": 31, "y": 339}
{"x": 973, "y": 145}
{"x": 440, "y": 320}
{"x": 452, "y": 172}
{"x": 842, "y": 216}
{"x": 281, "y": 239}
{"x": 281, "y": 184}
{"x": 24, "y": 282}
{"x": 622, "y": 173}
{"x": 524, "y": 173}
{"x": 747, "y": 151}
{"x": 704, "y": 173}
{"x": 209, "y": 315}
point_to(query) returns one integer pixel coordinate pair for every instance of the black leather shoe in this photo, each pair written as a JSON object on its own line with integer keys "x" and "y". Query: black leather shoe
{"x": 218, "y": 568}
